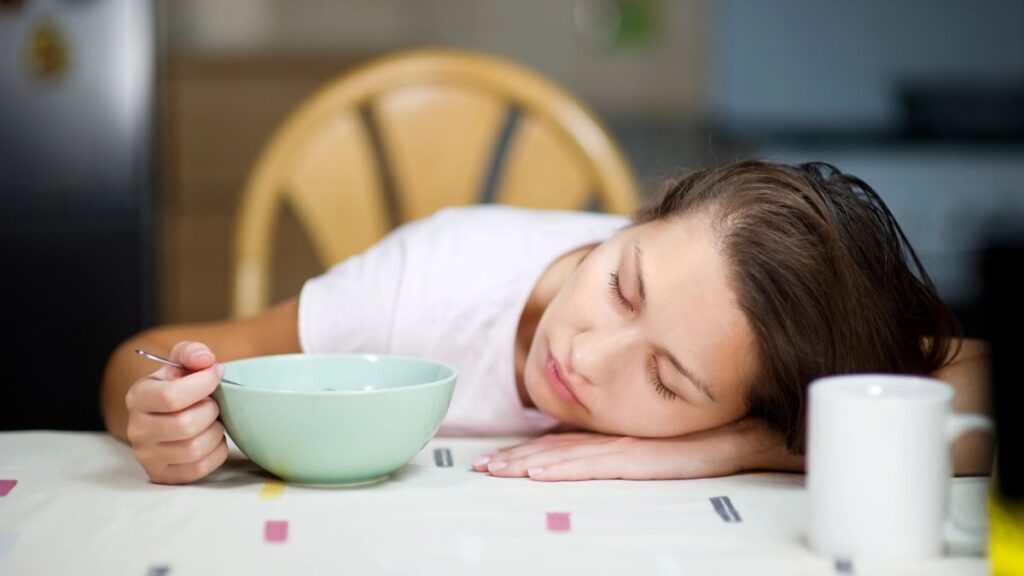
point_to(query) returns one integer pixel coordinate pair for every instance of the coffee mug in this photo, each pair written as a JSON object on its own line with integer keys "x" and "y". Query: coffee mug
{"x": 879, "y": 466}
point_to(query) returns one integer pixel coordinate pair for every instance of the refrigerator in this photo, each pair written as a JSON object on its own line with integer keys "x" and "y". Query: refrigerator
{"x": 77, "y": 183}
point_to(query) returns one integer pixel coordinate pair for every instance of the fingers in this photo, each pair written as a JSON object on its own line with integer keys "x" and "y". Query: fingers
{"x": 172, "y": 419}
{"x": 625, "y": 458}
{"x": 184, "y": 451}
{"x": 182, "y": 461}
{"x": 535, "y": 446}
{"x": 608, "y": 466}
{"x": 518, "y": 467}
{"x": 551, "y": 439}
{"x": 181, "y": 447}
{"x": 163, "y": 396}
{"x": 519, "y": 462}
{"x": 191, "y": 471}
{"x": 194, "y": 355}
{"x": 154, "y": 428}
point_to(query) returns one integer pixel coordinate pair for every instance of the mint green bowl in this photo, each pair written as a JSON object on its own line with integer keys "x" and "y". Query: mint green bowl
{"x": 335, "y": 419}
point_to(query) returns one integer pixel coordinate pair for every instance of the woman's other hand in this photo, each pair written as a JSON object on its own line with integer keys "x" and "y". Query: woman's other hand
{"x": 172, "y": 420}
{"x": 747, "y": 444}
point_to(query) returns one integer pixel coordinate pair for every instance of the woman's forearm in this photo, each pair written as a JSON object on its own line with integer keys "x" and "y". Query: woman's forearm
{"x": 968, "y": 374}
{"x": 758, "y": 446}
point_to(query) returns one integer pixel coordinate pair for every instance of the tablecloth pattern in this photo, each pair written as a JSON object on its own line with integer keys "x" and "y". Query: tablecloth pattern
{"x": 77, "y": 503}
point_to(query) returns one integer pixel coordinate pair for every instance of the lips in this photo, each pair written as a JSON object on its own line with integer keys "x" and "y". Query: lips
{"x": 558, "y": 384}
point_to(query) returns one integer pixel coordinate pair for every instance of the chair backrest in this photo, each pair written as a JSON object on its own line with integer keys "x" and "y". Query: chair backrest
{"x": 401, "y": 137}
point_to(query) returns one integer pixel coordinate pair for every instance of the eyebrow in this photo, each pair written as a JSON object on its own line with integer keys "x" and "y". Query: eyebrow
{"x": 699, "y": 384}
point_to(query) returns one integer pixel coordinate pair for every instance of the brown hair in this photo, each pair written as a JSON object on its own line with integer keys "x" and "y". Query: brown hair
{"x": 823, "y": 273}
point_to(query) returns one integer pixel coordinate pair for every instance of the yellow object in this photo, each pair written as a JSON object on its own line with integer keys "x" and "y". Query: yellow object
{"x": 272, "y": 490}
{"x": 1006, "y": 537}
{"x": 48, "y": 52}
{"x": 403, "y": 136}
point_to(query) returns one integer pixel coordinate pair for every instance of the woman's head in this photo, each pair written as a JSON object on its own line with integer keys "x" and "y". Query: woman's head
{"x": 648, "y": 335}
{"x": 757, "y": 278}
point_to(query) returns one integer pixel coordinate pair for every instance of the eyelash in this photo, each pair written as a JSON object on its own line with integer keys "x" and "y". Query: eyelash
{"x": 616, "y": 290}
{"x": 660, "y": 388}
{"x": 652, "y": 370}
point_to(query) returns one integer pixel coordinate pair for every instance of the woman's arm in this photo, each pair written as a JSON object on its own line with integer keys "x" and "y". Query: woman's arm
{"x": 968, "y": 373}
{"x": 273, "y": 332}
{"x": 747, "y": 444}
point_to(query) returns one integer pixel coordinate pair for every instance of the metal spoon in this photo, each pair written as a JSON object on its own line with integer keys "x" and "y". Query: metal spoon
{"x": 163, "y": 360}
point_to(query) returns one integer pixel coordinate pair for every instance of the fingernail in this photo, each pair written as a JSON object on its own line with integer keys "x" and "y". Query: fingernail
{"x": 535, "y": 471}
{"x": 221, "y": 369}
{"x": 499, "y": 465}
{"x": 203, "y": 356}
{"x": 481, "y": 460}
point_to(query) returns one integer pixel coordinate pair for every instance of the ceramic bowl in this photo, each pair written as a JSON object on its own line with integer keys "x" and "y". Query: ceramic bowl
{"x": 334, "y": 419}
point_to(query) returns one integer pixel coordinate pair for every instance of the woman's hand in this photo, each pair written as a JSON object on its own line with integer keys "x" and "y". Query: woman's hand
{"x": 747, "y": 444}
{"x": 172, "y": 420}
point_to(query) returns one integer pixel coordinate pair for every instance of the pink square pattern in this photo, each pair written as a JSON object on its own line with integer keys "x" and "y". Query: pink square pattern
{"x": 275, "y": 531}
{"x": 6, "y": 486}
{"x": 558, "y": 522}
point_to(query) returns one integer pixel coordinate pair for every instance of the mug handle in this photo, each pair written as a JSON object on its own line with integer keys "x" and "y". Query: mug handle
{"x": 958, "y": 537}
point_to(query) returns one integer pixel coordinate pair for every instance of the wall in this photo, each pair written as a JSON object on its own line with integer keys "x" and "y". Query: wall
{"x": 838, "y": 66}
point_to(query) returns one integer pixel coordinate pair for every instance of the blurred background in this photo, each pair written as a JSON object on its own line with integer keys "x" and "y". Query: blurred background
{"x": 128, "y": 128}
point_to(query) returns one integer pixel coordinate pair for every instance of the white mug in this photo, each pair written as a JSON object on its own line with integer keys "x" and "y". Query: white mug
{"x": 879, "y": 466}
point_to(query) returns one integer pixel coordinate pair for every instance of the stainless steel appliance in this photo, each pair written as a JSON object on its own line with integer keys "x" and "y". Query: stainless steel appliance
{"x": 76, "y": 192}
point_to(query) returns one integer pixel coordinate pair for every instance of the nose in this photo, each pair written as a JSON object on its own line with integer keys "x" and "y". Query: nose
{"x": 598, "y": 354}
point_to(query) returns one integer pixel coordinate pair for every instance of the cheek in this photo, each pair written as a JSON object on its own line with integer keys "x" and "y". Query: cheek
{"x": 635, "y": 410}
{"x": 585, "y": 294}
{"x": 656, "y": 423}
{"x": 563, "y": 312}
{"x": 635, "y": 417}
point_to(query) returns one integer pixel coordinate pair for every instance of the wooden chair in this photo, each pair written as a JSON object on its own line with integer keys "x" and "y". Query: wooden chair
{"x": 398, "y": 138}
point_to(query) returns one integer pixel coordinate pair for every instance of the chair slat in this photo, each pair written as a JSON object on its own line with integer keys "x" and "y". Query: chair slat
{"x": 541, "y": 171}
{"x": 438, "y": 141}
{"x": 335, "y": 189}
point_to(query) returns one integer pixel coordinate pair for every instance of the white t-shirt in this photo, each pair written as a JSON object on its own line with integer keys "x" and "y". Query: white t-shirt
{"x": 451, "y": 287}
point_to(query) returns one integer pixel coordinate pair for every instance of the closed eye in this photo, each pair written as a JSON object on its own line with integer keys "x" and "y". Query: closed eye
{"x": 616, "y": 290}
{"x": 659, "y": 386}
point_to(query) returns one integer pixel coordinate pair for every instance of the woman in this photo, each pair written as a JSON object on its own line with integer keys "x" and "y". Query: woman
{"x": 677, "y": 346}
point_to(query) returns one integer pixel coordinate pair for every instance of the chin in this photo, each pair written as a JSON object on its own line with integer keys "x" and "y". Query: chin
{"x": 532, "y": 390}
{"x": 538, "y": 395}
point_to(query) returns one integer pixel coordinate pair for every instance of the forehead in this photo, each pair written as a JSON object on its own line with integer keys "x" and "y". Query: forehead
{"x": 692, "y": 307}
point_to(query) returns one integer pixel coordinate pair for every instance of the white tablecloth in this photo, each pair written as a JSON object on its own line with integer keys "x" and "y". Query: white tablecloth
{"x": 81, "y": 505}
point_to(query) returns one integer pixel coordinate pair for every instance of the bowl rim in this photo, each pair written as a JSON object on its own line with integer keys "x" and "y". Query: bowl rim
{"x": 440, "y": 382}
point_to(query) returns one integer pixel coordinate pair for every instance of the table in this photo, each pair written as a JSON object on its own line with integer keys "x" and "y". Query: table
{"x": 78, "y": 503}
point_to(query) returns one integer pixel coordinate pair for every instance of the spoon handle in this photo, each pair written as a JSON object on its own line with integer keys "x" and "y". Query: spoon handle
{"x": 163, "y": 360}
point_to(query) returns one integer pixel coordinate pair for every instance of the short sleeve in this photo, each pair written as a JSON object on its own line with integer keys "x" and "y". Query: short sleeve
{"x": 350, "y": 308}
